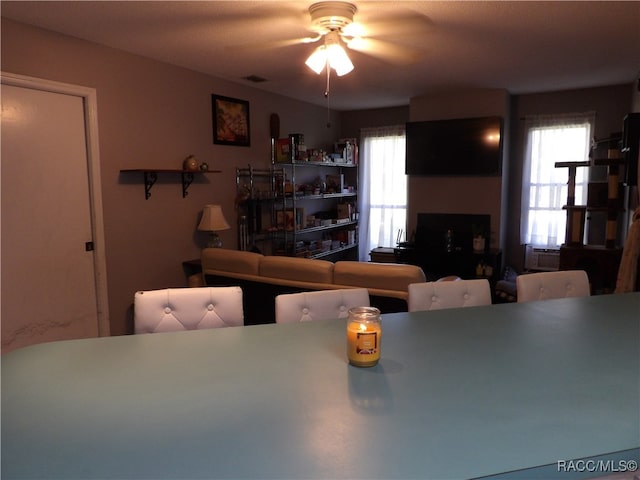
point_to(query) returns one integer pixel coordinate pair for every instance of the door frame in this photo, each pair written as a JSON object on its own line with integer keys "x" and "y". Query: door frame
{"x": 90, "y": 105}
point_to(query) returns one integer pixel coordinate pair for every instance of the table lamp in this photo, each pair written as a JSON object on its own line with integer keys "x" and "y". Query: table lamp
{"x": 213, "y": 221}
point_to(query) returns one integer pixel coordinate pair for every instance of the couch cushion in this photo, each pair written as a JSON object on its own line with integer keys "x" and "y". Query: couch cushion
{"x": 296, "y": 269}
{"x": 386, "y": 276}
{"x": 234, "y": 261}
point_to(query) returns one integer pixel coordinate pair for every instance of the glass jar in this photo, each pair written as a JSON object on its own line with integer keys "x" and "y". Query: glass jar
{"x": 364, "y": 334}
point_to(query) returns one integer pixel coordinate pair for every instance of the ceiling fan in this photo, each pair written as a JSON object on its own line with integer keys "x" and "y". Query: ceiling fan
{"x": 385, "y": 34}
{"x": 388, "y": 35}
{"x": 333, "y": 21}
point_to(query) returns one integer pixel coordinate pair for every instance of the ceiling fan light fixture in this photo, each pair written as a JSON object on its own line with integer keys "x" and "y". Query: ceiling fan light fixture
{"x": 327, "y": 16}
{"x": 318, "y": 59}
{"x": 339, "y": 60}
{"x": 331, "y": 53}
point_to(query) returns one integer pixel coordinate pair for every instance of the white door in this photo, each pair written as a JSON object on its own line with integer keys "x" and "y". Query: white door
{"x": 48, "y": 266}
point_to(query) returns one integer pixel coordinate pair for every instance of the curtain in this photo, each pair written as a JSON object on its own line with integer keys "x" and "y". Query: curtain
{"x": 382, "y": 198}
{"x": 551, "y": 139}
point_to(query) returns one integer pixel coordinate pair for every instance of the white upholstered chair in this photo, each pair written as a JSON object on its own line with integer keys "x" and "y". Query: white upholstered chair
{"x": 449, "y": 278}
{"x": 175, "y": 309}
{"x": 548, "y": 285}
{"x": 440, "y": 295}
{"x": 319, "y": 305}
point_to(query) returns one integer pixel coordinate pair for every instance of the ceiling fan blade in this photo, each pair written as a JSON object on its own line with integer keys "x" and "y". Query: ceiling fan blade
{"x": 403, "y": 22}
{"x": 255, "y": 46}
{"x": 387, "y": 51}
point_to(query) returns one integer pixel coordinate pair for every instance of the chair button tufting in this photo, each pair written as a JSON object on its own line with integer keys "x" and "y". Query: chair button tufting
{"x": 210, "y": 307}
{"x": 466, "y": 296}
{"x": 305, "y": 310}
{"x": 434, "y": 298}
{"x": 167, "y": 310}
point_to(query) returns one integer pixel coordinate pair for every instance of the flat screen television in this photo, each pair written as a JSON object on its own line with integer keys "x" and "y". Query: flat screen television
{"x": 460, "y": 147}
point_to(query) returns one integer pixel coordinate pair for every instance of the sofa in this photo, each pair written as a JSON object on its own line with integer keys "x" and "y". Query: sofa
{"x": 263, "y": 277}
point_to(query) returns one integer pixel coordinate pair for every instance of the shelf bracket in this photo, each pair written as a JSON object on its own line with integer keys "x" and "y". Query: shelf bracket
{"x": 149, "y": 180}
{"x": 187, "y": 179}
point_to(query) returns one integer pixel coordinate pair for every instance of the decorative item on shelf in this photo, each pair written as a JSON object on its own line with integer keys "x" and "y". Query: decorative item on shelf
{"x": 364, "y": 334}
{"x": 297, "y": 147}
{"x": 478, "y": 243}
{"x": 283, "y": 150}
{"x": 449, "y": 240}
{"x": 213, "y": 221}
{"x": 204, "y": 166}
{"x": 190, "y": 163}
{"x": 479, "y": 238}
{"x": 347, "y": 149}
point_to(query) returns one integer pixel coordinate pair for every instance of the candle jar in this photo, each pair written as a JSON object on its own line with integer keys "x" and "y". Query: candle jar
{"x": 364, "y": 334}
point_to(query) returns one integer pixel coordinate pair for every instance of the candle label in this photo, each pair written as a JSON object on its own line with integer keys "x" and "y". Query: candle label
{"x": 367, "y": 343}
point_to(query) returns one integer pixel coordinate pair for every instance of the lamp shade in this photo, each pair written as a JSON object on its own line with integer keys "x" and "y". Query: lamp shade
{"x": 339, "y": 60}
{"x": 213, "y": 219}
{"x": 332, "y": 53}
{"x": 318, "y": 59}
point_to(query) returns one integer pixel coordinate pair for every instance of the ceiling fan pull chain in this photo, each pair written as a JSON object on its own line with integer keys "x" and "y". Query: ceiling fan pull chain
{"x": 326, "y": 95}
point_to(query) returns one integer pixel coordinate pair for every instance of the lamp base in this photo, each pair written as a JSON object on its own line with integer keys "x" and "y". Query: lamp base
{"x": 214, "y": 241}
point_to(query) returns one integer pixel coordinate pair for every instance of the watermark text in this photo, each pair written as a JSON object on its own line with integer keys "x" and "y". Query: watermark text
{"x": 600, "y": 466}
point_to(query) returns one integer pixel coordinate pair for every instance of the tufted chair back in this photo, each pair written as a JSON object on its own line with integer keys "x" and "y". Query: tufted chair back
{"x": 548, "y": 285}
{"x": 175, "y": 309}
{"x": 440, "y": 295}
{"x": 319, "y": 305}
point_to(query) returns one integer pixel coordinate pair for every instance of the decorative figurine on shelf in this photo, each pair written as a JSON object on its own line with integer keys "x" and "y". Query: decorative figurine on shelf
{"x": 204, "y": 166}
{"x": 449, "y": 240}
{"x": 190, "y": 163}
{"x": 479, "y": 238}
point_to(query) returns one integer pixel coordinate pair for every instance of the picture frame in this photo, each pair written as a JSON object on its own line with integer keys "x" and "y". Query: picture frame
{"x": 231, "y": 121}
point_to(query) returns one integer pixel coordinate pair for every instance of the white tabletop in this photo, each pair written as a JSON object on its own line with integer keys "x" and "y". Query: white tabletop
{"x": 461, "y": 393}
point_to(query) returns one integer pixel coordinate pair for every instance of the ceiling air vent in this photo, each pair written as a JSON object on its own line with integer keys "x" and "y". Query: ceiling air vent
{"x": 255, "y": 79}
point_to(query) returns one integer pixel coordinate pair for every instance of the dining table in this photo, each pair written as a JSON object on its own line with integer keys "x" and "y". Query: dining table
{"x": 546, "y": 389}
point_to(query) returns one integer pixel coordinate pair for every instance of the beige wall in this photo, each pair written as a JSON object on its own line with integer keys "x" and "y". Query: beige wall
{"x": 352, "y": 121}
{"x": 610, "y": 103}
{"x": 152, "y": 115}
{"x": 467, "y": 195}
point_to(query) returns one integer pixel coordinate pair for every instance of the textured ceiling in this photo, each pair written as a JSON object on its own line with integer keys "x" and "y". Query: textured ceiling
{"x": 416, "y": 47}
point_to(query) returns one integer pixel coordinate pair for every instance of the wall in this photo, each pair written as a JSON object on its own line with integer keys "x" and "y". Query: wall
{"x": 470, "y": 195}
{"x": 351, "y": 122}
{"x": 611, "y": 104}
{"x": 152, "y": 115}
{"x": 498, "y": 196}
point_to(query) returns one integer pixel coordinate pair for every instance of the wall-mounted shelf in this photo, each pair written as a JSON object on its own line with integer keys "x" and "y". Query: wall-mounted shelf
{"x": 150, "y": 176}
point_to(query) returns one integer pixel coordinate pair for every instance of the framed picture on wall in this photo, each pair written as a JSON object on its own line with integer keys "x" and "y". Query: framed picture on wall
{"x": 230, "y": 121}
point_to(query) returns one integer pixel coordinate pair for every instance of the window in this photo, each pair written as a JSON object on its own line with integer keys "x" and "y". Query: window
{"x": 383, "y": 188}
{"x": 551, "y": 139}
